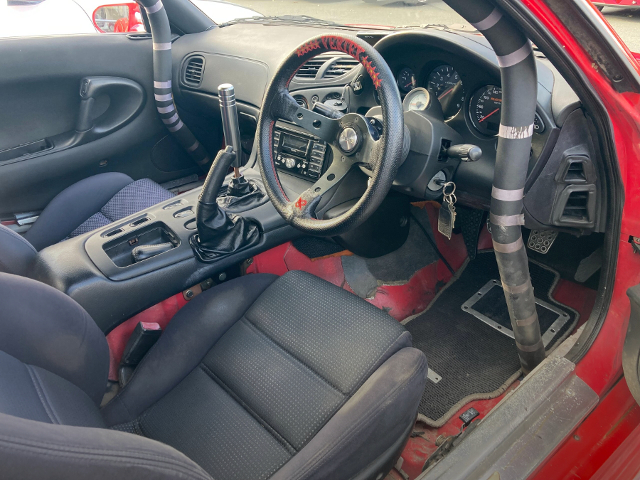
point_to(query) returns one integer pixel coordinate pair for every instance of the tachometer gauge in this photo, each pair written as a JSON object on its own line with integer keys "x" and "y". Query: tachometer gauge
{"x": 406, "y": 80}
{"x": 446, "y": 85}
{"x": 485, "y": 108}
{"x": 416, "y": 100}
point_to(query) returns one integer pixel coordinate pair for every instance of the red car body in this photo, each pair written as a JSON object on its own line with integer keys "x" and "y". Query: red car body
{"x": 605, "y": 444}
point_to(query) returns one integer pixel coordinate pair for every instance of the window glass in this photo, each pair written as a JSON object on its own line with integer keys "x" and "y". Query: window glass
{"x": 19, "y": 18}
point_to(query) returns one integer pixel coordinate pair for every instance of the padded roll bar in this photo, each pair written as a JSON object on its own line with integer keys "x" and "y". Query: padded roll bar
{"x": 519, "y": 87}
{"x": 162, "y": 65}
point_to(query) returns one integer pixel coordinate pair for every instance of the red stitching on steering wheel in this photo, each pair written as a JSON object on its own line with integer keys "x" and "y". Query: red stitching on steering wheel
{"x": 334, "y": 43}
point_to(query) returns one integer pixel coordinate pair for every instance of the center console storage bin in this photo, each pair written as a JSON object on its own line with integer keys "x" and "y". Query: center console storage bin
{"x": 119, "y": 250}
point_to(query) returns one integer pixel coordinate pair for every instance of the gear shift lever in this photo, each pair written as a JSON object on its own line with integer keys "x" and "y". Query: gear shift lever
{"x": 238, "y": 186}
{"x": 220, "y": 232}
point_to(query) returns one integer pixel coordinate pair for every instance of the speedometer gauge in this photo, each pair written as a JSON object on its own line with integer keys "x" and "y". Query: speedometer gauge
{"x": 445, "y": 83}
{"x": 485, "y": 108}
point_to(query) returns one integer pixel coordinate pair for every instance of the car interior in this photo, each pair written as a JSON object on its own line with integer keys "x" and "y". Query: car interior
{"x": 264, "y": 250}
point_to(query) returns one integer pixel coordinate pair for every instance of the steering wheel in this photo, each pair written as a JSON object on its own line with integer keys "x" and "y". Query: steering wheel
{"x": 351, "y": 138}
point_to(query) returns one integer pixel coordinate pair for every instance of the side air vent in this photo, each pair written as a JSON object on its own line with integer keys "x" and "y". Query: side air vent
{"x": 575, "y": 173}
{"x": 193, "y": 71}
{"x": 327, "y": 65}
{"x": 577, "y": 207}
{"x": 342, "y": 66}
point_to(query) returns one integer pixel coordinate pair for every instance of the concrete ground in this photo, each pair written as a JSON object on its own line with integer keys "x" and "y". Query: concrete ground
{"x": 625, "y": 21}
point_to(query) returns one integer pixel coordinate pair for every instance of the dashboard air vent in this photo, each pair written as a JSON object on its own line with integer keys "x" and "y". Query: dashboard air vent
{"x": 311, "y": 68}
{"x": 327, "y": 65}
{"x": 343, "y": 65}
{"x": 193, "y": 71}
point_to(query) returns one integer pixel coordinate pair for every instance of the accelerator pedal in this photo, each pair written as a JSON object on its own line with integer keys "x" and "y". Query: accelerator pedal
{"x": 541, "y": 240}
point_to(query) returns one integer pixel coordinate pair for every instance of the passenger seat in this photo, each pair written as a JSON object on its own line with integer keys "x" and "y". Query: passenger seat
{"x": 84, "y": 206}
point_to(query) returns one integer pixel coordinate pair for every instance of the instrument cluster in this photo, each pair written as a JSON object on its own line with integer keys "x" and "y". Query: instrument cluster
{"x": 483, "y": 104}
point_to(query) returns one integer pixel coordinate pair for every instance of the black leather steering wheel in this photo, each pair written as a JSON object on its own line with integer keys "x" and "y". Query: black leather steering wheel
{"x": 351, "y": 138}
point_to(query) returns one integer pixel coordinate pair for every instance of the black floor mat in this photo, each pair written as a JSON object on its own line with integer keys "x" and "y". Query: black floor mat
{"x": 473, "y": 359}
{"x": 364, "y": 275}
{"x": 316, "y": 247}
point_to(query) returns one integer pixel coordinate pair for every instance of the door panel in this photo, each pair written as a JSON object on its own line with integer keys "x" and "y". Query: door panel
{"x": 40, "y": 99}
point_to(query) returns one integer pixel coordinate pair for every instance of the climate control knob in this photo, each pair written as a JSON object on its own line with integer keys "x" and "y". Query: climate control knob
{"x": 290, "y": 162}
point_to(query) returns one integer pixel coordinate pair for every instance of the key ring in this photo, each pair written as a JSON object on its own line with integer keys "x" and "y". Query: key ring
{"x": 444, "y": 189}
{"x": 450, "y": 198}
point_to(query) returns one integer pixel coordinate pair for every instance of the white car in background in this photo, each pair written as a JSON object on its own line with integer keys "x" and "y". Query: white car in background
{"x": 67, "y": 17}
{"x": 221, "y": 12}
{"x": 49, "y": 17}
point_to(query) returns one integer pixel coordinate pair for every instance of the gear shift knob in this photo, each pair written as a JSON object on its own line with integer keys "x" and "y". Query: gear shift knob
{"x": 230, "y": 125}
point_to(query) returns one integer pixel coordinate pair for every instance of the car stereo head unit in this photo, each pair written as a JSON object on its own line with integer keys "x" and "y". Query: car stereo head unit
{"x": 300, "y": 155}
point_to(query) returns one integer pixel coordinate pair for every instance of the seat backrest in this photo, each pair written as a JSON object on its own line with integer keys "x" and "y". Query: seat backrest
{"x": 45, "y": 329}
{"x": 54, "y": 362}
{"x": 16, "y": 253}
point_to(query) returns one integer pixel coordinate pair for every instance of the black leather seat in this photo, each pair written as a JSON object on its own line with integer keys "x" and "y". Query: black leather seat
{"x": 84, "y": 206}
{"x": 261, "y": 377}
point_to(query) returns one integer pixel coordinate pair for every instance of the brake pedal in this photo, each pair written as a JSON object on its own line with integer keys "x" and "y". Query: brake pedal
{"x": 541, "y": 240}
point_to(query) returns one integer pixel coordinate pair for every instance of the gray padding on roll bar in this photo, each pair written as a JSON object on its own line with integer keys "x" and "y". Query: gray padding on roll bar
{"x": 516, "y": 57}
{"x": 493, "y": 18}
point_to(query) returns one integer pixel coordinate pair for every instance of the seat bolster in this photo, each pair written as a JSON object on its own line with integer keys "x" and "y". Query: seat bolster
{"x": 16, "y": 253}
{"x": 73, "y": 206}
{"x": 31, "y": 449}
{"x": 185, "y": 342}
{"x": 378, "y": 415}
{"x": 42, "y": 326}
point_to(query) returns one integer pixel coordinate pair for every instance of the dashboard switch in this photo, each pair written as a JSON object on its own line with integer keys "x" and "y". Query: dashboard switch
{"x": 465, "y": 152}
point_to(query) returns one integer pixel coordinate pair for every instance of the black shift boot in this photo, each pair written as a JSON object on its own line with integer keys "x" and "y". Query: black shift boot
{"x": 220, "y": 232}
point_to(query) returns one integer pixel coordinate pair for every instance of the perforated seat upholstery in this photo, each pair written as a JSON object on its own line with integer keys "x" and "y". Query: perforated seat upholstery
{"x": 260, "y": 377}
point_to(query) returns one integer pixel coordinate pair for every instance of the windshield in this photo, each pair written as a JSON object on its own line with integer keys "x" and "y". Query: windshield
{"x": 392, "y": 13}
{"x": 385, "y": 13}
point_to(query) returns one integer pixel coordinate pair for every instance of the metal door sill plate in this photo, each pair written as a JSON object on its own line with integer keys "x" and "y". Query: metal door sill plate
{"x": 561, "y": 317}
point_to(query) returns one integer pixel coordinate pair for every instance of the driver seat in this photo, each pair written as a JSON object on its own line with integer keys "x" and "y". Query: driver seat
{"x": 261, "y": 377}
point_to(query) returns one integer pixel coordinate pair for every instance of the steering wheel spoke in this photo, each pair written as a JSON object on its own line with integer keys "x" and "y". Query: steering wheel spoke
{"x": 323, "y": 127}
{"x": 305, "y": 204}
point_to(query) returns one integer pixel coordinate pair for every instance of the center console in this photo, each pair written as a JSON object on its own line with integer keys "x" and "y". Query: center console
{"x": 105, "y": 271}
{"x": 300, "y": 154}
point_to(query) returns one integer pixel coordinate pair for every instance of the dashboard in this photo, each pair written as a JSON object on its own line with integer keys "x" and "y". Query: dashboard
{"x": 458, "y": 70}
{"x": 461, "y": 72}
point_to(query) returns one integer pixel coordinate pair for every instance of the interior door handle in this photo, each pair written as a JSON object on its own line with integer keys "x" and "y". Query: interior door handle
{"x": 107, "y": 103}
